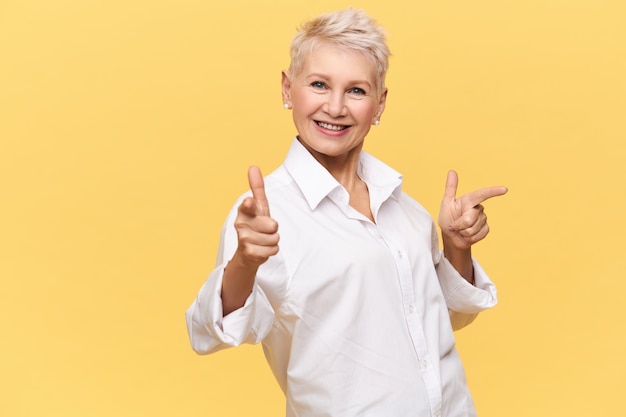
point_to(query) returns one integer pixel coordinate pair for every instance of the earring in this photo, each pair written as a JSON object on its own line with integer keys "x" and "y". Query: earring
{"x": 376, "y": 122}
{"x": 286, "y": 106}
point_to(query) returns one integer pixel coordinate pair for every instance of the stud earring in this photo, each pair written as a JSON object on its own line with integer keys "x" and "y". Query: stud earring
{"x": 376, "y": 122}
{"x": 286, "y": 106}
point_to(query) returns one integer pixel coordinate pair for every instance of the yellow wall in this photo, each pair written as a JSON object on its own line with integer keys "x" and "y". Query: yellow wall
{"x": 126, "y": 128}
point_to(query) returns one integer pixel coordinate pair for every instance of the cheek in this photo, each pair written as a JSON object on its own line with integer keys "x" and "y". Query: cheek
{"x": 307, "y": 102}
{"x": 366, "y": 110}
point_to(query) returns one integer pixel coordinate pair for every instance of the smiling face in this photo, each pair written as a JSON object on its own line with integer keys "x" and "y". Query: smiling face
{"x": 335, "y": 101}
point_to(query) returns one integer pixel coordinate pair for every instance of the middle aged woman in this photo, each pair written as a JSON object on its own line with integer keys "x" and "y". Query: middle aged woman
{"x": 356, "y": 310}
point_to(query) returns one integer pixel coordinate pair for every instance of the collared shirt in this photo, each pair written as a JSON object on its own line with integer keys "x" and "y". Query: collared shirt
{"x": 356, "y": 317}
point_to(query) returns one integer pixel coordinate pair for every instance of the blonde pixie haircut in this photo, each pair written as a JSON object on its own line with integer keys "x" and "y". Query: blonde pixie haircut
{"x": 348, "y": 29}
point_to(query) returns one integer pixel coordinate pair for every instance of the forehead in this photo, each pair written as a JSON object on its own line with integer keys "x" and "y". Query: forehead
{"x": 332, "y": 61}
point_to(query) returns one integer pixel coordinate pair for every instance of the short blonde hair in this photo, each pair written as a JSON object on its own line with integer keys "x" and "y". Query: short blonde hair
{"x": 349, "y": 29}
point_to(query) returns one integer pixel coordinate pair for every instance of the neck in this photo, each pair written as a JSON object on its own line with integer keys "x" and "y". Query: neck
{"x": 342, "y": 167}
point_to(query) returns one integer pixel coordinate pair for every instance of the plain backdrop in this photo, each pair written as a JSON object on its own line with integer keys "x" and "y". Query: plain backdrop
{"x": 126, "y": 130}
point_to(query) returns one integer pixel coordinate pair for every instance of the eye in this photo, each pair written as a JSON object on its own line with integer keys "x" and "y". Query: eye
{"x": 357, "y": 91}
{"x": 318, "y": 84}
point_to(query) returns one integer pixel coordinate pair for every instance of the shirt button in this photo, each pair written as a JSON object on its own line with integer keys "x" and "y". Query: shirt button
{"x": 411, "y": 308}
{"x": 399, "y": 254}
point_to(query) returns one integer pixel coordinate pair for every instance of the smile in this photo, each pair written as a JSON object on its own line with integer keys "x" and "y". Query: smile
{"x": 331, "y": 126}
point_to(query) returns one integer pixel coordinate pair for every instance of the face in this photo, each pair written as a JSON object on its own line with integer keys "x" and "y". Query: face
{"x": 334, "y": 101}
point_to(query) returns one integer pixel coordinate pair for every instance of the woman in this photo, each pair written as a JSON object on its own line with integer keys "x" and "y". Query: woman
{"x": 356, "y": 310}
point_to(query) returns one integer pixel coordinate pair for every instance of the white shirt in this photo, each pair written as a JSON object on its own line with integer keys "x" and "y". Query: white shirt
{"x": 355, "y": 316}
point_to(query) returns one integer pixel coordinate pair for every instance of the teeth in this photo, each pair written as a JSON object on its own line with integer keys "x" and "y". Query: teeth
{"x": 330, "y": 127}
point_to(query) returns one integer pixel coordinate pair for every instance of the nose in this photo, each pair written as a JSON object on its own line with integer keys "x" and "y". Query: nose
{"x": 335, "y": 105}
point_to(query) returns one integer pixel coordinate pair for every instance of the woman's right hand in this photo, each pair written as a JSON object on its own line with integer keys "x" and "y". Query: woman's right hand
{"x": 257, "y": 240}
{"x": 257, "y": 232}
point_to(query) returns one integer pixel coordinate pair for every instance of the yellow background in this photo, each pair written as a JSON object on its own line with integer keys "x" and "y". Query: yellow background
{"x": 126, "y": 128}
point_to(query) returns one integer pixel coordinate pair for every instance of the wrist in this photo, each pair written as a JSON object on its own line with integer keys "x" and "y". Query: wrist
{"x": 460, "y": 259}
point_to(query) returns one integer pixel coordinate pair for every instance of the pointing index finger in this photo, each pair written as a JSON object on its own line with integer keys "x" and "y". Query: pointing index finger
{"x": 257, "y": 186}
{"x": 478, "y": 196}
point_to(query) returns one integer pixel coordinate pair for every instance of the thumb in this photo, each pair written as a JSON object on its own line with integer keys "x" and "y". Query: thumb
{"x": 257, "y": 186}
{"x": 452, "y": 183}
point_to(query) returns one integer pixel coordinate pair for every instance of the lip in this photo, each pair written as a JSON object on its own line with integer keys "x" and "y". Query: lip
{"x": 331, "y": 132}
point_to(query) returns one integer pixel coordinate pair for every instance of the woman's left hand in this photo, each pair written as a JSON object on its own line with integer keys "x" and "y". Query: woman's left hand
{"x": 462, "y": 220}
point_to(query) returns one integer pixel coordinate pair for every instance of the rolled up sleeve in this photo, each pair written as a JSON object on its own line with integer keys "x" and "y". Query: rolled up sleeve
{"x": 463, "y": 299}
{"x": 209, "y": 331}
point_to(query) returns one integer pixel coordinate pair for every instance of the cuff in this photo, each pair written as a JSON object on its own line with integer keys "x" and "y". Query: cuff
{"x": 460, "y": 295}
{"x": 210, "y": 331}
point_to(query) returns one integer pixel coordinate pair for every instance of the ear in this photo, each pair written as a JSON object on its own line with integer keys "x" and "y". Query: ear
{"x": 381, "y": 105}
{"x": 286, "y": 88}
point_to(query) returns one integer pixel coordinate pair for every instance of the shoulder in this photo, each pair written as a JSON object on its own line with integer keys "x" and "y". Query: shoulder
{"x": 278, "y": 180}
{"x": 410, "y": 204}
{"x": 283, "y": 193}
{"x": 280, "y": 188}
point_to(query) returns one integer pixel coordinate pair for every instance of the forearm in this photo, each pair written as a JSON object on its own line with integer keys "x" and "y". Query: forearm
{"x": 461, "y": 259}
{"x": 237, "y": 284}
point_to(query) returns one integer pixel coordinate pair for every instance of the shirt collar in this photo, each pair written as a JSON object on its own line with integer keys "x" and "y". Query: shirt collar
{"x": 316, "y": 182}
